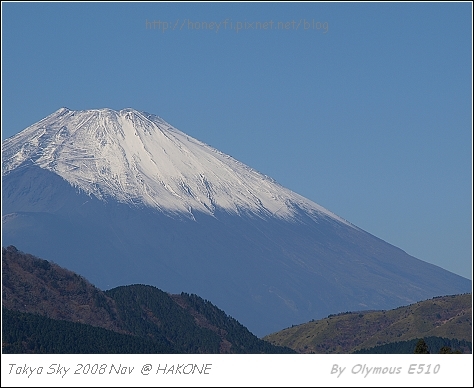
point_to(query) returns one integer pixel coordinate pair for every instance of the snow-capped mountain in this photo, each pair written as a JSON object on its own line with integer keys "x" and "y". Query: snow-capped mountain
{"x": 122, "y": 197}
{"x": 139, "y": 159}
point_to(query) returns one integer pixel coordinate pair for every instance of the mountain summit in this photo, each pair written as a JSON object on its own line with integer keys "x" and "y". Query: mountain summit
{"x": 123, "y": 197}
{"x": 137, "y": 158}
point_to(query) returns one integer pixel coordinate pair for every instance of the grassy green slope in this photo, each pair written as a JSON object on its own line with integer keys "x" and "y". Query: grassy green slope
{"x": 447, "y": 316}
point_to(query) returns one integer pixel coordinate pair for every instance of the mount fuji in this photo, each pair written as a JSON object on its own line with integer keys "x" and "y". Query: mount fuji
{"x": 122, "y": 197}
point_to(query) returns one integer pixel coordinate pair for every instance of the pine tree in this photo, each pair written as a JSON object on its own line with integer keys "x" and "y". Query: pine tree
{"x": 421, "y": 347}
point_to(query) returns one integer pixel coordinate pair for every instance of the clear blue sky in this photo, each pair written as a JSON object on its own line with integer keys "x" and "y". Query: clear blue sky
{"x": 369, "y": 115}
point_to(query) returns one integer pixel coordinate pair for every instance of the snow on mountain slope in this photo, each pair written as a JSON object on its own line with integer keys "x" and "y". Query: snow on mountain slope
{"x": 139, "y": 159}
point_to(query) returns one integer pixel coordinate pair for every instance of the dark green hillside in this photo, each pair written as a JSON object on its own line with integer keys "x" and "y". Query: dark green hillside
{"x": 448, "y": 317}
{"x": 190, "y": 323}
{"x": 236, "y": 335}
{"x": 32, "y": 333}
{"x": 151, "y": 313}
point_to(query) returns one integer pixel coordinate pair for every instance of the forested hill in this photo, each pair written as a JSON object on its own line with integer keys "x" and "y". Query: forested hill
{"x": 33, "y": 285}
{"x": 42, "y": 298}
